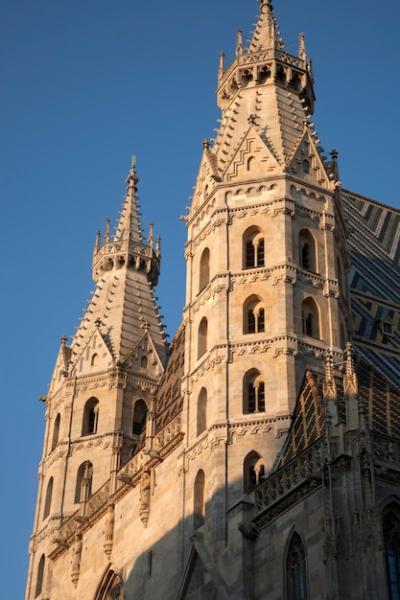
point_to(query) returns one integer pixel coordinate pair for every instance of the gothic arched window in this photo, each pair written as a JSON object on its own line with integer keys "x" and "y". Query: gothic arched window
{"x": 253, "y": 315}
{"x": 139, "y": 417}
{"x": 310, "y": 318}
{"x": 202, "y": 338}
{"x": 56, "y": 431}
{"x": 202, "y": 412}
{"x": 90, "y": 417}
{"x": 253, "y": 248}
{"x": 253, "y": 471}
{"x": 40, "y": 576}
{"x": 296, "y": 570}
{"x": 199, "y": 500}
{"x": 48, "y": 498}
{"x": 84, "y": 480}
{"x": 204, "y": 269}
{"x": 391, "y": 534}
{"x": 253, "y": 392}
{"x": 307, "y": 251}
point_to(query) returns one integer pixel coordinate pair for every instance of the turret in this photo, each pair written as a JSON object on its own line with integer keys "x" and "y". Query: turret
{"x": 266, "y": 62}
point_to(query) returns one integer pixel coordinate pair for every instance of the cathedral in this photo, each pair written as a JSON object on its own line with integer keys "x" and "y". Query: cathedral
{"x": 257, "y": 456}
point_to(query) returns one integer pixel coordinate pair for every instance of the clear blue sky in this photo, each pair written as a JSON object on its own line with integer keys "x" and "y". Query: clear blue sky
{"x": 86, "y": 83}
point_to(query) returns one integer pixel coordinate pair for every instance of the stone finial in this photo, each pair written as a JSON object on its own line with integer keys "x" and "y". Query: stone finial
{"x": 221, "y": 66}
{"x": 150, "y": 239}
{"x": 302, "y": 47}
{"x": 350, "y": 378}
{"x": 97, "y": 243}
{"x": 158, "y": 246}
{"x": 239, "y": 42}
{"x": 64, "y": 340}
{"x": 107, "y": 232}
{"x": 330, "y": 391}
{"x": 335, "y": 164}
{"x": 132, "y": 179}
{"x": 266, "y": 4}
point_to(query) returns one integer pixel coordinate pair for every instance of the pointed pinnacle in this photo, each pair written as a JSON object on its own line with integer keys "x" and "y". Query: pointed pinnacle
{"x": 302, "y": 47}
{"x": 267, "y": 3}
{"x": 132, "y": 179}
{"x": 239, "y": 42}
{"x": 221, "y": 66}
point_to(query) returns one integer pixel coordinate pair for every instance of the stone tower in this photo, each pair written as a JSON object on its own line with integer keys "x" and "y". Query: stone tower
{"x": 104, "y": 382}
{"x": 266, "y": 256}
{"x": 257, "y": 456}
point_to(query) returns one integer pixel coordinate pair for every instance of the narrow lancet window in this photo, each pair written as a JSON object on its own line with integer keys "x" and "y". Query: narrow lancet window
{"x": 199, "y": 500}
{"x": 90, "y": 417}
{"x": 296, "y": 570}
{"x": 253, "y": 393}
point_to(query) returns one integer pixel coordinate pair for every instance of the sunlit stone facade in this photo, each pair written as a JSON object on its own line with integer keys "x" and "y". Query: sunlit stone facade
{"x": 257, "y": 456}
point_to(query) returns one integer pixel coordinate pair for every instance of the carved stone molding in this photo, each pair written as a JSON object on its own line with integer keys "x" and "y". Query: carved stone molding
{"x": 290, "y": 483}
{"x": 210, "y": 292}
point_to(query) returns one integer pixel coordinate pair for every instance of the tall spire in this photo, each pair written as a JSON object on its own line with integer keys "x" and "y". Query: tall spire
{"x": 129, "y": 227}
{"x": 126, "y": 268}
{"x": 265, "y": 32}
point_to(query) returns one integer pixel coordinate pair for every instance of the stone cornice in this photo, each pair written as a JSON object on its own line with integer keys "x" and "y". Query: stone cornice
{"x": 246, "y": 425}
{"x": 279, "y": 345}
{"x": 272, "y": 207}
{"x": 113, "y": 378}
{"x": 281, "y": 273}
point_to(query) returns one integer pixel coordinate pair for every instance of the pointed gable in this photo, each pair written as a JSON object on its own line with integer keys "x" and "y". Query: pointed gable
{"x": 252, "y": 159}
{"x": 95, "y": 356}
{"x": 207, "y": 177}
{"x": 145, "y": 358}
{"x": 307, "y": 164}
{"x": 61, "y": 368}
